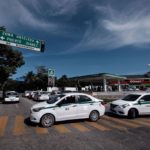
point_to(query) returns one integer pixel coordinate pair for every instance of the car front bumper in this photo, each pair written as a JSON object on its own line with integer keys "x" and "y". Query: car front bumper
{"x": 34, "y": 117}
{"x": 119, "y": 111}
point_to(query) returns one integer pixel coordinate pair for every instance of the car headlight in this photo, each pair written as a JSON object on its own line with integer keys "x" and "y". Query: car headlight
{"x": 124, "y": 106}
{"x": 37, "y": 109}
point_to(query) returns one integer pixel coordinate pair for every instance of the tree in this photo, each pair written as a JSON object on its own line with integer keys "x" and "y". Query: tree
{"x": 30, "y": 79}
{"x": 37, "y": 81}
{"x": 64, "y": 81}
{"x": 10, "y": 60}
{"x": 41, "y": 70}
{"x": 2, "y": 28}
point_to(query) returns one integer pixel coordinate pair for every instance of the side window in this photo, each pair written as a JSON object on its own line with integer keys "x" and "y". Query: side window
{"x": 68, "y": 100}
{"x": 146, "y": 98}
{"x": 83, "y": 99}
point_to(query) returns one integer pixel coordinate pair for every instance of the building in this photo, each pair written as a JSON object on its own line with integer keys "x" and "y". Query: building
{"x": 110, "y": 82}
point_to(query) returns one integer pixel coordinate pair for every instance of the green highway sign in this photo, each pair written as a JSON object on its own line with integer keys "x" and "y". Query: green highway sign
{"x": 51, "y": 72}
{"x": 21, "y": 41}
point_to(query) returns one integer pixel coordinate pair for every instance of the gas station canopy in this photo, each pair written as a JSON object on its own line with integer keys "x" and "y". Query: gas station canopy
{"x": 98, "y": 77}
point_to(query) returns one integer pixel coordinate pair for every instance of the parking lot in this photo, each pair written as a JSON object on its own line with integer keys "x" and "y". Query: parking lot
{"x": 110, "y": 132}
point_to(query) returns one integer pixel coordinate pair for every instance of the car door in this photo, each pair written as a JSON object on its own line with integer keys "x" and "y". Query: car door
{"x": 67, "y": 109}
{"x": 84, "y": 106}
{"x": 144, "y": 105}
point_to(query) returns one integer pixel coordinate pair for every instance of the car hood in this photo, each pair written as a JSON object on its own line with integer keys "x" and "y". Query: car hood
{"x": 120, "y": 102}
{"x": 42, "y": 104}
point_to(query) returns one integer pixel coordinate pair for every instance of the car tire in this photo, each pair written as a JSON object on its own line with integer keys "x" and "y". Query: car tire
{"x": 47, "y": 120}
{"x": 94, "y": 116}
{"x": 132, "y": 114}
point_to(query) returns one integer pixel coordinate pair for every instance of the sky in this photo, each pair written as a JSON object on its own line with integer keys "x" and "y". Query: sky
{"x": 82, "y": 37}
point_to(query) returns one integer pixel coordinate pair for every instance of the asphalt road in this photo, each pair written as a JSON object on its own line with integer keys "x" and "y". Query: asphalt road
{"x": 109, "y": 133}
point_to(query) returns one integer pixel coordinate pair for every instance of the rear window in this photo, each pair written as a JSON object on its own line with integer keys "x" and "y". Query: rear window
{"x": 131, "y": 97}
{"x": 12, "y": 94}
{"x": 83, "y": 99}
{"x": 55, "y": 98}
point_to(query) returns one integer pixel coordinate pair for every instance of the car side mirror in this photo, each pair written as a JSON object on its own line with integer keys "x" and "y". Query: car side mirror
{"x": 141, "y": 101}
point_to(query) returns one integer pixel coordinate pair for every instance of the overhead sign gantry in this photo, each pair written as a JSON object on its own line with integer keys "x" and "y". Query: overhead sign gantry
{"x": 21, "y": 41}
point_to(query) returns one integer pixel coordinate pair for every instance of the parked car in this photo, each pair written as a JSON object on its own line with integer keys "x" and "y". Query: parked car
{"x": 67, "y": 106}
{"x": 27, "y": 93}
{"x": 32, "y": 94}
{"x": 41, "y": 96}
{"x": 132, "y": 105}
{"x": 11, "y": 96}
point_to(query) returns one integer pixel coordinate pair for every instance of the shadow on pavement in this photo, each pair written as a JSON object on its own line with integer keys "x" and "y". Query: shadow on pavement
{"x": 29, "y": 123}
{"x": 124, "y": 117}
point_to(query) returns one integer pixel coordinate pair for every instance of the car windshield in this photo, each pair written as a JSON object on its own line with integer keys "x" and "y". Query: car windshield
{"x": 131, "y": 97}
{"x": 54, "y": 98}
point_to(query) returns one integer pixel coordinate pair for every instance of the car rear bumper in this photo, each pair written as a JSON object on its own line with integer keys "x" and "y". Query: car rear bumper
{"x": 11, "y": 99}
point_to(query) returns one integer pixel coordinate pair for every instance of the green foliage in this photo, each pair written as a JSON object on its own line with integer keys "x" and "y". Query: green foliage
{"x": 39, "y": 80}
{"x": 2, "y": 28}
{"x": 10, "y": 60}
{"x": 36, "y": 81}
{"x": 41, "y": 70}
{"x": 64, "y": 81}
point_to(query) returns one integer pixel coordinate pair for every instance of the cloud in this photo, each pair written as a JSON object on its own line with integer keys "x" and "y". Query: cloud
{"x": 116, "y": 28}
{"x": 92, "y": 24}
{"x": 63, "y": 7}
{"x": 37, "y": 14}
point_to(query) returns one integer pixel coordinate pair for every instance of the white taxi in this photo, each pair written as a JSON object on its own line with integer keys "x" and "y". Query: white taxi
{"x": 11, "y": 96}
{"x": 132, "y": 105}
{"x": 67, "y": 106}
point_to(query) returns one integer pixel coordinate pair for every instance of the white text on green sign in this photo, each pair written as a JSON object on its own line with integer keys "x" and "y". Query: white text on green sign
{"x": 19, "y": 41}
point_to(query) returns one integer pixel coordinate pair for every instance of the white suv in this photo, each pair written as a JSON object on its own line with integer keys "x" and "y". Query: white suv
{"x": 67, "y": 106}
{"x": 132, "y": 105}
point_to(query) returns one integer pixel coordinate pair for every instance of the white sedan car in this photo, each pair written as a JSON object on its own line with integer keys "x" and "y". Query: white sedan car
{"x": 41, "y": 96}
{"x": 11, "y": 96}
{"x": 67, "y": 106}
{"x": 132, "y": 105}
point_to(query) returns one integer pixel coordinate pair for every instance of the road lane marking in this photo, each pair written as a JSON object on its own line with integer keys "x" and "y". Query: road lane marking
{"x": 98, "y": 126}
{"x": 121, "y": 121}
{"x": 80, "y": 127}
{"x": 116, "y": 126}
{"x": 40, "y": 130}
{"x": 141, "y": 122}
{"x": 19, "y": 127}
{"x": 61, "y": 129}
{"x": 3, "y": 122}
{"x": 146, "y": 119}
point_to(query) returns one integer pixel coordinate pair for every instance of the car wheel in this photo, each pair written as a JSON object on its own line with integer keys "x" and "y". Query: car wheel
{"x": 47, "y": 120}
{"x": 132, "y": 113}
{"x": 94, "y": 115}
